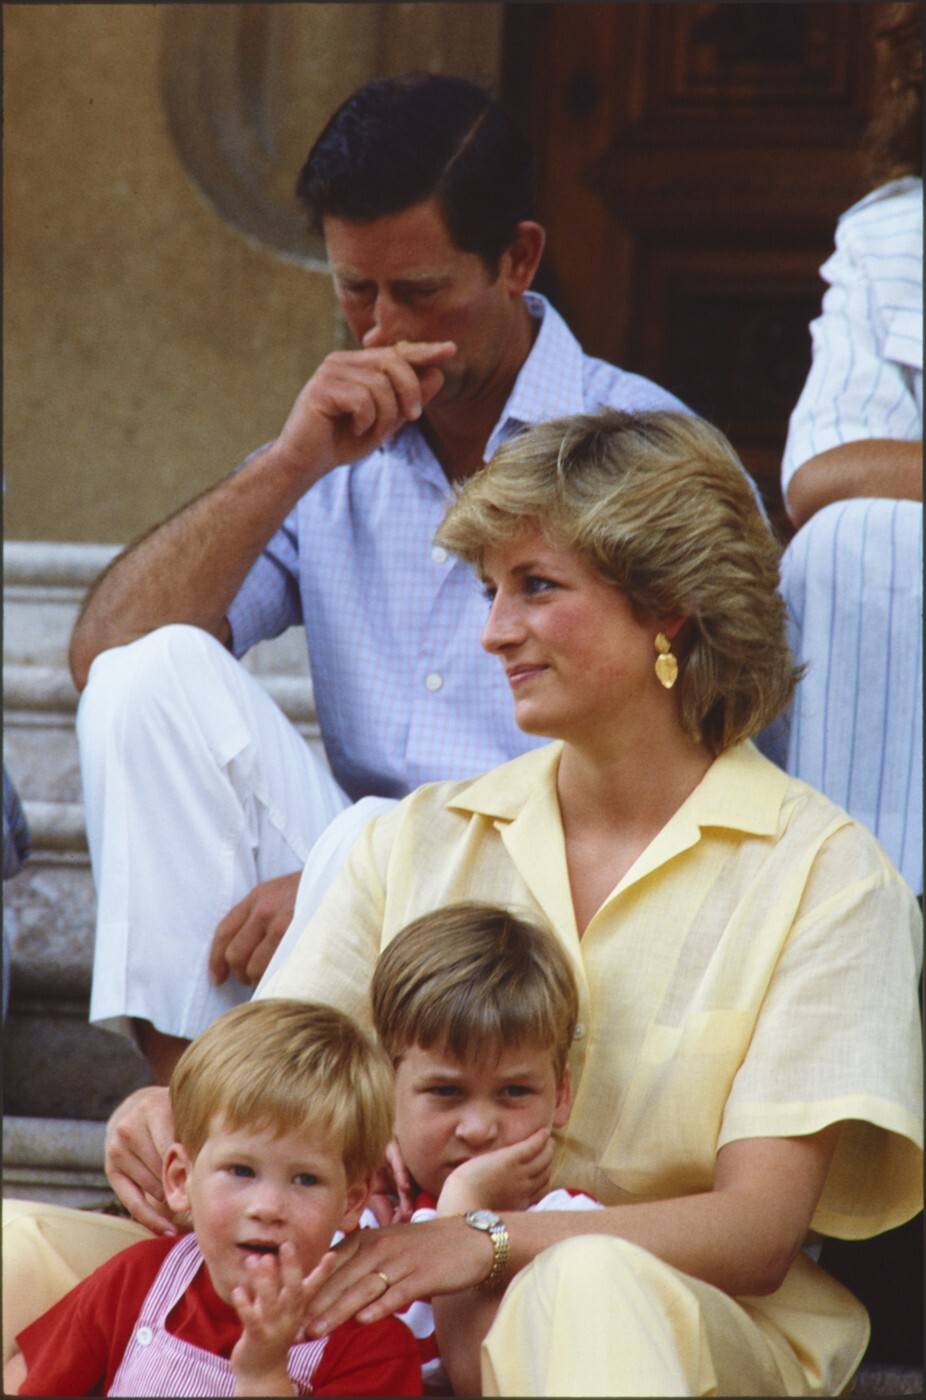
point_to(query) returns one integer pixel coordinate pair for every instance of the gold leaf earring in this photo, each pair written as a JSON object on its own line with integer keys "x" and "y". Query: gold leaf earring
{"x": 666, "y": 663}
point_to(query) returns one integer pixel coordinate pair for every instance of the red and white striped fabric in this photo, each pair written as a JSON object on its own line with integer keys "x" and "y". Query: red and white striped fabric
{"x": 156, "y": 1363}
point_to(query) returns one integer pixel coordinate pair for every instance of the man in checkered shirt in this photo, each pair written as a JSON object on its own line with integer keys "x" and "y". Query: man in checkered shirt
{"x": 200, "y": 797}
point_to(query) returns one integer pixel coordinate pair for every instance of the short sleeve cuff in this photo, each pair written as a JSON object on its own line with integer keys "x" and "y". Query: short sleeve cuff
{"x": 875, "y": 1181}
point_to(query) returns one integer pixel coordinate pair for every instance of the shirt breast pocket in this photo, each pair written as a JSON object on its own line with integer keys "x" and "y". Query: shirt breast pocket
{"x": 665, "y": 1141}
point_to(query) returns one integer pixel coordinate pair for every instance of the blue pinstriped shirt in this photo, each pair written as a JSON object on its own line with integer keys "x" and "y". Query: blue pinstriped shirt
{"x": 853, "y": 575}
{"x": 404, "y": 692}
{"x": 866, "y": 380}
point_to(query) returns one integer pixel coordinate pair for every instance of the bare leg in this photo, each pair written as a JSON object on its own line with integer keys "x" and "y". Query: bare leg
{"x": 161, "y": 1051}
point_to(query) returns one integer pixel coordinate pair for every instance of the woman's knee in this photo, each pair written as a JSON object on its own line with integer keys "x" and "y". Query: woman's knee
{"x": 597, "y": 1271}
{"x": 624, "y": 1307}
{"x": 596, "y": 1256}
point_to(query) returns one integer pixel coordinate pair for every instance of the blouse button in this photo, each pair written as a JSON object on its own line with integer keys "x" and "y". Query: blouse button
{"x": 439, "y": 554}
{"x": 434, "y": 681}
{"x": 144, "y": 1336}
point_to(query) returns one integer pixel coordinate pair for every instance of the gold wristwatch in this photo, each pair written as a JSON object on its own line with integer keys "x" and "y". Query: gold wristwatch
{"x": 497, "y": 1230}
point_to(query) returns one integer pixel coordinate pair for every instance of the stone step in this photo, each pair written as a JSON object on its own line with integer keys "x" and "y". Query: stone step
{"x": 54, "y": 1159}
{"x": 58, "y": 1069}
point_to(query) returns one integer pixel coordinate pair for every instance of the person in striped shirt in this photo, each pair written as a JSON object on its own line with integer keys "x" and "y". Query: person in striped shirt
{"x": 852, "y": 477}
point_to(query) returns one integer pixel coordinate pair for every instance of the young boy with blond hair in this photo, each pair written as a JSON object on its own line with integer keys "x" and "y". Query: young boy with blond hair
{"x": 477, "y": 1009}
{"x": 282, "y": 1112}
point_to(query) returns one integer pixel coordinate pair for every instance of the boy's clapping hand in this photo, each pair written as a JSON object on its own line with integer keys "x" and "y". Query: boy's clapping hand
{"x": 272, "y": 1305}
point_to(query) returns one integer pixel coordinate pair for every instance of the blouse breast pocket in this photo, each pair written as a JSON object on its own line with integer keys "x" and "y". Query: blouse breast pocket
{"x": 665, "y": 1140}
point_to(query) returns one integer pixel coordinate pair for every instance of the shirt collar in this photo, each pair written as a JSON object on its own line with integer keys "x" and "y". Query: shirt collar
{"x": 741, "y": 791}
{"x": 549, "y": 385}
{"x": 550, "y": 382}
{"x": 905, "y": 185}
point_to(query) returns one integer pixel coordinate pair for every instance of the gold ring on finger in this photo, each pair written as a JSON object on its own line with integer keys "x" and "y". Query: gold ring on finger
{"x": 387, "y": 1284}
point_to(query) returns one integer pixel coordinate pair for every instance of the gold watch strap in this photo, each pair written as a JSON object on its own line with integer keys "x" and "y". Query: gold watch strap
{"x": 501, "y": 1247}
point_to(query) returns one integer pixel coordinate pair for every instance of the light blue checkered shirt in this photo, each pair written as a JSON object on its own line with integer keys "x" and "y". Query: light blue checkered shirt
{"x": 403, "y": 690}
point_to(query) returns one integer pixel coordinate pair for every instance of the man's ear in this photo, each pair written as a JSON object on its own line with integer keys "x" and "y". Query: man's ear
{"x": 563, "y": 1100}
{"x": 357, "y": 1196}
{"x": 521, "y": 258}
{"x": 176, "y": 1173}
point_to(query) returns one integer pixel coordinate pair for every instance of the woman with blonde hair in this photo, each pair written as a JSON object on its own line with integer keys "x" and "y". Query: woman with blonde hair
{"x": 746, "y": 1067}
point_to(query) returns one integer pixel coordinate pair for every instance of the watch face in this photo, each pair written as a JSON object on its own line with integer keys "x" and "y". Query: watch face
{"x": 482, "y": 1219}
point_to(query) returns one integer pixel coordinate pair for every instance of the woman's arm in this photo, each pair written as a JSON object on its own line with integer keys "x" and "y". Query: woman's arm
{"x": 741, "y": 1236}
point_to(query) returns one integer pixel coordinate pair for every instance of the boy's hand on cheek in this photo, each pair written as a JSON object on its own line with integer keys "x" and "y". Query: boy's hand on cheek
{"x": 391, "y": 1196}
{"x": 272, "y": 1305}
{"x": 509, "y": 1178}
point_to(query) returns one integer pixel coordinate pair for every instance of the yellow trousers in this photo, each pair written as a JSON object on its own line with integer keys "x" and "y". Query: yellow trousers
{"x": 46, "y": 1251}
{"x": 592, "y": 1316}
{"x": 597, "y": 1316}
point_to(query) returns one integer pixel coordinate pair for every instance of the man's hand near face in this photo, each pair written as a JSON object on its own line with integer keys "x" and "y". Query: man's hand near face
{"x": 191, "y": 567}
{"x": 355, "y": 399}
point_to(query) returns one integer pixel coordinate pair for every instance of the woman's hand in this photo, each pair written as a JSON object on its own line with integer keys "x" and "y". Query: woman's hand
{"x": 436, "y": 1256}
{"x": 509, "y": 1178}
{"x": 138, "y": 1134}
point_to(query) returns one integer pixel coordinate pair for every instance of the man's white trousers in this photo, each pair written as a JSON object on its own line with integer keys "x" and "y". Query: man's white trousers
{"x": 197, "y": 788}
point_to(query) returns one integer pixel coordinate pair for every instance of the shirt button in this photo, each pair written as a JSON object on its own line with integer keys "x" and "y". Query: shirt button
{"x": 439, "y": 554}
{"x": 434, "y": 681}
{"x": 580, "y": 1030}
{"x": 144, "y": 1336}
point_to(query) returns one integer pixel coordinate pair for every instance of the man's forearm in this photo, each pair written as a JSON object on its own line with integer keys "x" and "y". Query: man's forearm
{"x": 188, "y": 568}
{"x": 883, "y": 467}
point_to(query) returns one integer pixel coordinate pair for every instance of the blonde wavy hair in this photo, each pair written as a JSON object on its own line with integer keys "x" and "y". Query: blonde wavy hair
{"x": 660, "y": 505}
{"x": 285, "y": 1065}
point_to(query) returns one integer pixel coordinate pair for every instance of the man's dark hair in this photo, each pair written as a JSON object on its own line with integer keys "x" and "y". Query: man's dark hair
{"x": 398, "y": 141}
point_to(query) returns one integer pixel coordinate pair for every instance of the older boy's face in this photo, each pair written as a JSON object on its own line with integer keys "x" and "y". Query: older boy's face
{"x": 448, "y": 1111}
{"x": 248, "y": 1191}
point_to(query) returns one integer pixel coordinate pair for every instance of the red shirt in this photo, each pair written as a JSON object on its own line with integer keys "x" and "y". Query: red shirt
{"x": 75, "y": 1348}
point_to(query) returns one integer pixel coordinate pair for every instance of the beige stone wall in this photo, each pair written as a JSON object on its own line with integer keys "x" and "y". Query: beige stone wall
{"x": 147, "y": 345}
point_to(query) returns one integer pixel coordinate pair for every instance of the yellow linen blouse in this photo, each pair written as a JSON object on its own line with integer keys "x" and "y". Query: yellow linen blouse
{"x": 753, "y": 974}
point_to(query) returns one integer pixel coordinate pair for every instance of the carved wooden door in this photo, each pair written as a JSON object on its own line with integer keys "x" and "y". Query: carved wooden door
{"x": 694, "y": 160}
